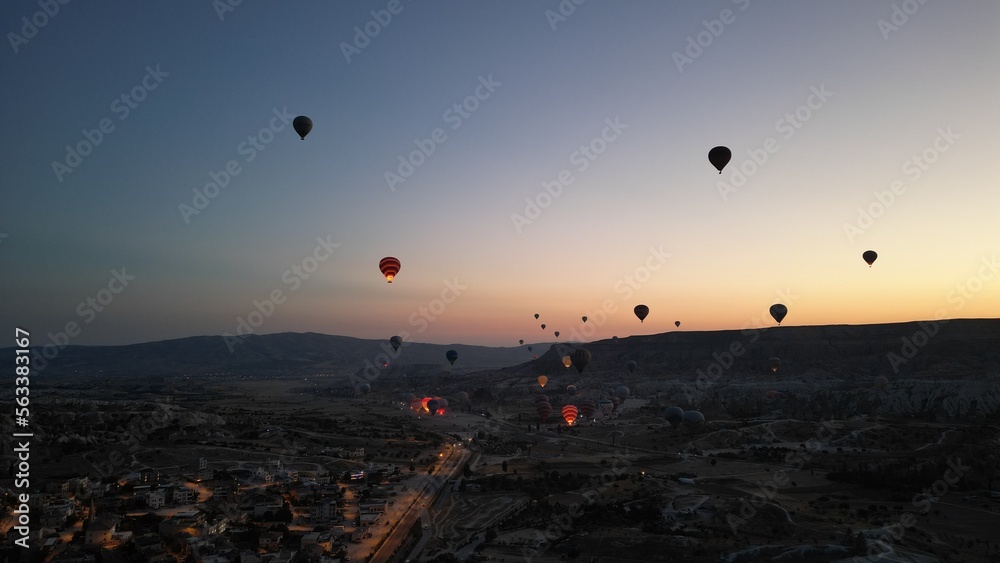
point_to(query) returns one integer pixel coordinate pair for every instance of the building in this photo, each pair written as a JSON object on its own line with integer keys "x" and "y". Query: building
{"x": 156, "y": 499}
{"x": 184, "y": 495}
{"x": 101, "y": 530}
{"x": 324, "y": 511}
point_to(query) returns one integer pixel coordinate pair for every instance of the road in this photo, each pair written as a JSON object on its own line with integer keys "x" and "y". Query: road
{"x": 431, "y": 486}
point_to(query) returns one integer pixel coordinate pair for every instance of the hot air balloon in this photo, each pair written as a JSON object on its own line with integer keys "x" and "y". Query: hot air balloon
{"x": 674, "y": 415}
{"x": 424, "y": 402}
{"x": 587, "y": 408}
{"x": 396, "y": 341}
{"x": 302, "y": 125}
{"x": 417, "y": 404}
{"x": 452, "y": 356}
{"x": 606, "y": 406}
{"x": 536, "y": 316}
{"x": 543, "y": 409}
{"x": 870, "y": 256}
{"x": 365, "y": 388}
{"x": 584, "y": 319}
{"x": 569, "y": 413}
{"x": 542, "y": 380}
{"x": 567, "y": 361}
{"x": 641, "y": 311}
{"x": 881, "y": 382}
{"x": 622, "y": 392}
{"x": 720, "y": 157}
{"x": 774, "y": 363}
{"x": 580, "y": 359}
{"x": 462, "y": 396}
{"x": 571, "y": 390}
{"x": 520, "y": 342}
{"x": 556, "y": 333}
{"x": 389, "y": 267}
{"x": 631, "y": 364}
{"x": 615, "y": 402}
{"x": 432, "y": 406}
{"x": 693, "y": 418}
{"x": 529, "y": 348}
{"x": 541, "y": 399}
{"x": 677, "y": 324}
{"x": 614, "y": 339}
{"x": 778, "y": 311}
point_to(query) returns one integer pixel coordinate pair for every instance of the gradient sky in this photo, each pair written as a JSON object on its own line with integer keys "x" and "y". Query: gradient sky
{"x": 892, "y": 93}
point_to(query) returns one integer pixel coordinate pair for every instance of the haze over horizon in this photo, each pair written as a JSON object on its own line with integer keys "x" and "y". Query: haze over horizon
{"x": 857, "y": 126}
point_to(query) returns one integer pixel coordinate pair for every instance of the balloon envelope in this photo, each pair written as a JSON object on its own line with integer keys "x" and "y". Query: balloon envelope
{"x": 389, "y": 267}
{"x": 536, "y": 316}
{"x": 774, "y": 363}
{"x": 693, "y": 418}
{"x": 302, "y": 125}
{"x": 778, "y": 312}
{"x": 720, "y": 157}
{"x": 520, "y": 341}
{"x": 542, "y": 380}
{"x": 641, "y": 311}
{"x": 571, "y": 390}
{"x": 567, "y": 361}
{"x": 584, "y": 319}
{"x": 396, "y": 341}
{"x": 365, "y": 388}
{"x": 580, "y": 359}
{"x": 543, "y": 326}
{"x": 677, "y": 324}
{"x": 569, "y": 413}
{"x": 870, "y": 256}
{"x": 631, "y": 364}
{"x": 674, "y": 415}
{"x": 622, "y": 392}
{"x": 451, "y": 355}
{"x": 587, "y": 408}
{"x": 557, "y": 334}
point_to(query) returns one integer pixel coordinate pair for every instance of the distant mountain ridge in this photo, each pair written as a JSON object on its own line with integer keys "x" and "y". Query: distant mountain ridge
{"x": 961, "y": 346}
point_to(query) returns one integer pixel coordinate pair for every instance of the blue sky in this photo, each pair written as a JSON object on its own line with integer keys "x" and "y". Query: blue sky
{"x": 644, "y": 219}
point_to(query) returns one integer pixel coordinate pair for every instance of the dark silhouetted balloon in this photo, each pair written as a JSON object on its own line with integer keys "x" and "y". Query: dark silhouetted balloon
{"x": 396, "y": 341}
{"x": 571, "y": 390}
{"x": 556, "y": 333}
{"x": 774, "y": 363}
{"x": 584, "y": 319}
{"x": 720, "y": 157}
{"x": 451, "y": 355}
{"x": 622, "y": 392}
{"x": 778, "y": 311}
{"x": 693, "y": 418}
{"x": 529, "y": 348}
{"x": 520, "y": 341}
{"x": 365, "y": 388}
{"x": 389, "y": 267}
{"x": 674, "y": 415}
{"x": 614, "y": 339}
{"x": 536, "y": 316}
{"x": 631, "y": 364}
{"x": 870, "y": 256}
{"x": 606, "y": 406}
{"x": 587, "y": 408}
{"x": 433, "y": 405}
{"x": 677, "y": 324}
{"x": 641, "y": 311}
{"x": 543, "y": 326}
{"x": 302, "y": 125}
{"x": 580, "y": 359}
